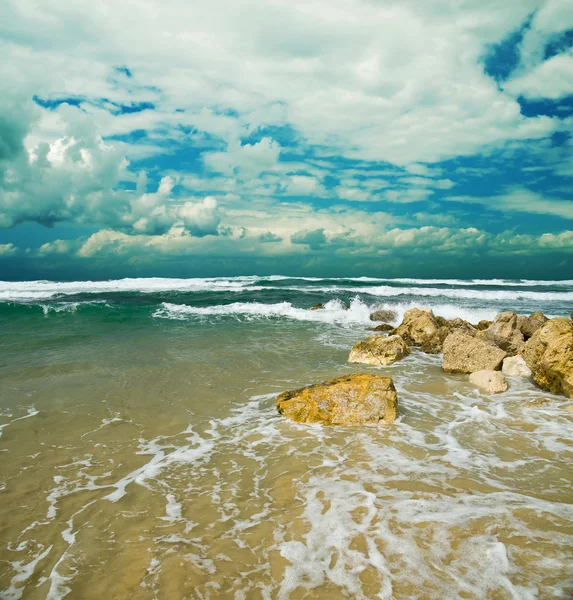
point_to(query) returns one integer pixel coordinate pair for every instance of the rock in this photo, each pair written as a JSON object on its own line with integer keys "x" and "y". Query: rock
{"x": 549, "y": 355}
{"x": 571, "y": 315}
{"x": 383, "y": 327}
{"x": 539, "y": 403}
{"x": 350, "y": 400}
{"x": 458, "y": 323}
{"x": 318, "y": 306}
{"x": 418, "y": 327}
{"x": 529, "y": 325}
{"x": 483, "y": 325}
{"x": 504, "y": 332}
{"x": 441, "y": 321}
{"x": 466, "y": 354}
{"x": 379, "y": 350}
{"x": 515, "y": 366}
{"x": 491, "y": 382}
{"x": 384, "y": 315}
{"x": 569, "y": 408}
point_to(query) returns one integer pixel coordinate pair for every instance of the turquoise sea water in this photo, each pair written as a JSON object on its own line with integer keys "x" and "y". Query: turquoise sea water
{"x": 141, "y": 455}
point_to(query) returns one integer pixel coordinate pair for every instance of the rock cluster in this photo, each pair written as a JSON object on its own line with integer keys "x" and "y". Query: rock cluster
{"x": 511, "y": 345}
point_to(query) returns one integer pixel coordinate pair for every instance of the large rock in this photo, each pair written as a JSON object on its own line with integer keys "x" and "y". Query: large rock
{"x": 549, "y": 355}
{"x": 505, "y": 333}
{"x": 464, "y": 353}
{"x": 529, "y": 325}
{"x": 379, "y": 350}
{"x": 490, "y": 382}
{"x": 418, "y": 327}
{"x": 350, "y": 400}
{"x": 434, "y": 344}
{"x": 384, "y": 315}
{"x": 483, "y": 325}
{"x": 515, "y": 366}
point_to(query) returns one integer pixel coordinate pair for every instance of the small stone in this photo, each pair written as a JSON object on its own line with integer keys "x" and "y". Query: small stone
{"x": 539, "y": 403}
{"x": 515, "y": 366}
{"x": 383, "y": 327}
{"x": 379, "y": 350}
{"x": 491, "y": 382}
{"x": 384, "y": 315}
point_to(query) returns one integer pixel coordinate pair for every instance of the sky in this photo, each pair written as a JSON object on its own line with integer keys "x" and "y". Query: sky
{"x": 331, "y": 138}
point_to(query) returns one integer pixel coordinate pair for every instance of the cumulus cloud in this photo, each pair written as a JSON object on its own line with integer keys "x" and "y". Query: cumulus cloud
{"x": 7, "y": 249}
{"x": 77, "y": 177}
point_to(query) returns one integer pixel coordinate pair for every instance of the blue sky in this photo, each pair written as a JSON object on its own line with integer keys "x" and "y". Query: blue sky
{"x": 340, "y": 137}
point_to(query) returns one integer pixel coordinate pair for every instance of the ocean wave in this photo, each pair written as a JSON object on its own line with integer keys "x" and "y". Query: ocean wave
{"x": 26, "y": 291}
{"x": 334, "y": 311}
{"x": 466, "y": 294}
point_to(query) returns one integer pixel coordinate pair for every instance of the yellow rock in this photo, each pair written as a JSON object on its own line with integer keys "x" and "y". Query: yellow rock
{"x": 549, "y": 355}
{"x": 379, "y": 350}
{"x": 359, "y": 399}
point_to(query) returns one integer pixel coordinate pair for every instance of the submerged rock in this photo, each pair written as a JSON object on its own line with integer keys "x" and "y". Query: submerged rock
{"x": 515, "y": 366}
{"x": 505, "y": 333}
{"x": 549, "y": 355}
{"x": 382, "y": 327}
{"x": 538, "y": 403}
{"x": 529, "y": 325}
{"x": 358, "y": 399}
{"x": 379, "y": 350}
{"x": 318, "y": 306}
{"x": 464, "y": 353}
{"x": 383, "y": 315}
{"x": 491, "y": 382}
{"x": 419, "y": 327}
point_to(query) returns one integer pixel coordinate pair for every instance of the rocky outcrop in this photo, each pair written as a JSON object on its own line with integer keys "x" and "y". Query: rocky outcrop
{"x": 418, "y": 327}
{"x": 515, "y": 366}
{"x": 529, "y": 325}
{"x": 350, "y": 400}
{"x": 490, "y": 382}
{"x": 382, "y": 327}
{"x": 505, "y": 333}
{"x": 384, "y": 315}
{"x": 464, "y": 353}
{"x": 379, "y": 350}
{"x": 549, "y": 355}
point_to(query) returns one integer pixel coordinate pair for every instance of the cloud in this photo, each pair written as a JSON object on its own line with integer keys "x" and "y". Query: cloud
{"x": 8, "y": 249}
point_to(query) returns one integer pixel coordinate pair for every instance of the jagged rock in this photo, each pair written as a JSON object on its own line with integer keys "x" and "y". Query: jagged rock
{"x": 529, "y": 325}
{"x": 504, "y": 332}
{"x": 418, "y": 327}
{"x": 350, "y": 400}
{"x": 434, "y": 344}
{"x": 466, "y": 354}
{"x": 384, "y": 315}
{"x": 383, "y": 327}
{"x": 515, "y": 366}
{"x": 549, "y": 355}
{"x": 441, "y": 321}
{"x": 483, "y": 325}
{"x": 458, "y": 323}
{"x": 491, "y": 382}
{"x": 379, "y": 350}
{"x": 318, "y": 306}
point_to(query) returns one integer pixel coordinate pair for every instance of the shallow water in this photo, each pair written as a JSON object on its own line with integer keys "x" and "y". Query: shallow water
{"x": 142, "y": 456}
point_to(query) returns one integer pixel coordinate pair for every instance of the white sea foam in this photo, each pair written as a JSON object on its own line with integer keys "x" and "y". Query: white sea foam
{"x": 334, "y": 311}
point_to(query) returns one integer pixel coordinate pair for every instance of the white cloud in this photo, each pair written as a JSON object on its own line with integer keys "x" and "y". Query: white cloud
{"x": 550, "y": 79}
{"x": 8, "y": 249}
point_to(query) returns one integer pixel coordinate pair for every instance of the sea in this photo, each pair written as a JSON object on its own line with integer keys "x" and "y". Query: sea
{"x": 142, "y": 456}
